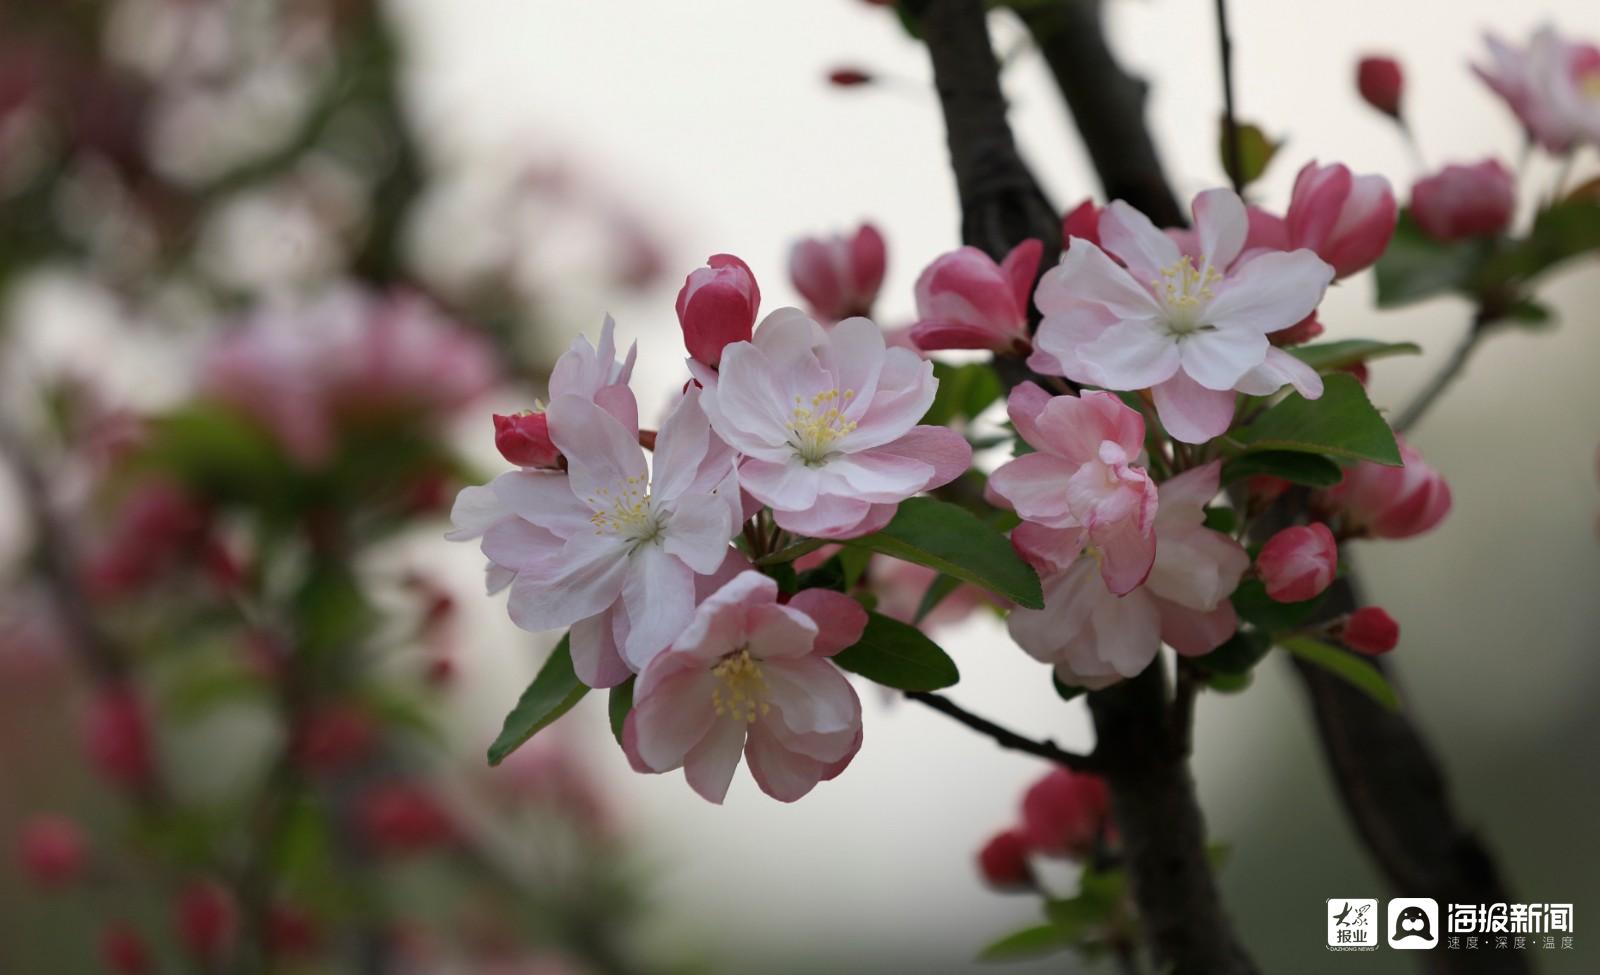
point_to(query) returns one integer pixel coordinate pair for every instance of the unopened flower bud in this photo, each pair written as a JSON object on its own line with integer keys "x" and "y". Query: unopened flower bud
{"x": 849, "y": 77}
{"x": 1003, "y": 861}
{"x": 1346, "y": 219}
{"x": 1460, "y": 202}
{"x": 1299, "y": 562}
{"x": 117, "y": 737}
{"x": 524, "y": 439}
{"x": 1381, "y": 82}
{"x": 123, "y": 950}
{"x": 717, "y": 306}
{"x": 839, "y": 276}
{"x": 1082, "y": 222}
{"x": 207, "y": 921}
{"x": 1066, "y": 813}
{"x": 1299, "y": 333}
{"x": 51, "y": 850}
{"x": 1371, "y": 631}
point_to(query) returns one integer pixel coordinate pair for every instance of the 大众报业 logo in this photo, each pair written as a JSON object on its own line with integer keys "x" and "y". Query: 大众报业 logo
{"x": 1413, "y": 922}
{"x": 1352, "y": 923}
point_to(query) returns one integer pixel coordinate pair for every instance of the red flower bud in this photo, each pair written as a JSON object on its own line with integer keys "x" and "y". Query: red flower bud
{"x": 51, "y": 850}
{"x": 1003, "y": 861}
{"x": 1460, "y": 202}
{"x": 117, "y": 737}
{"x": 399, "y": 818}
{"x": 291, "y": 932}
{"x": 1299, "y": 562}
{"x": 333, "y": 738}
{"x": 839, "y": 275}
{"x": 1380, "y": 82}
{"x": 1299, "y": 333}
{"x": 717, "y": 306}
{"x": 1371, "y": 631}
{"x": 849, "y": 77}
{"x": 1084, "y": 222}
{"x": 207, "y": 920}
{"x": 524, "y": 439}
{"x": 1066, "y": 813}
{"x": 123, "y": 950}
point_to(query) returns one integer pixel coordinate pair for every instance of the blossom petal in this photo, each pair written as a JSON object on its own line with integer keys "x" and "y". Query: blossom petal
{"x": 544, "y": 498}
{"x": 1276, "y": 370}
{"x": 1086, "y": 274}
{"x": 840, "y": 620}
{"x": 595, "y": 657}
{"x": 1271, "y": 291}
{"x": 1141, "y": 245}
{"x": 1192, "y": 413}
{"x": 673, "y": 718}
{"x": 945, "y": 449}
{"x": 681, "y": 445}
{"x": 592, "y": 569}
{"x": 710, "y": 765}
{"x": 658, "y": 594}
{"x": 602, "y": 454}
{"x": 1222, "y": 225}
{"x": 1131, "y": 355}
{"x": 1216, "y": 359}
{"x": 1035, "y": 485}
{"x": 788, "y": 486}
{"x": 697, "y": 531}
{"x": 781, "y": 774}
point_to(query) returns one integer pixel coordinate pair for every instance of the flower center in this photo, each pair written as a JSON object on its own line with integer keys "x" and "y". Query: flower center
{"x": 1589, "y": 85}
{"x": 1185, "y": 290}
{"x": 746, "y": 689}
{"x": 625, "y": 513}
{"x": 814, "y": 428}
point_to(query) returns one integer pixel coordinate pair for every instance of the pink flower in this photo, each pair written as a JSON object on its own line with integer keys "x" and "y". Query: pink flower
{"x": 1346, "y": 219}
{"x": 1003, "y": 862}
{"x": 400, "y": 818}
{"x": 1550, "y": 85}
{"x": 1465, "y": 201}
{"x": 1370, "y": 630}
{"x": 717, "y": 305}
{"x": 839, "y": 276}
{"x": 751, "y": 675}
{"x": 967, "y": 301}
{"x": 207, "y": 919}
{"x": 901, "y": 586}
{"x": 124, "y": 950}
{"x": 1067, "y": 813}
{"x": 1381, "y": 82}
{"x": 826, "y": 421}
{"x": 349, "y": 356}
{"x": 1299, "y": 562}
{"x": 1095, "y": 638}
{"x": 1081, "y": 476}
{"x": 118, "y": 737}
{"x": 609, "y": 548}
{"x": 1140, "y": 313}
{"x": 52, "y": 850}
{"x": 1389, "y": 502}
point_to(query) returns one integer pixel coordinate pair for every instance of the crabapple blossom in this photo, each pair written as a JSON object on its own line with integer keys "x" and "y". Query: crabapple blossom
{"x": 1465, "y": 201}
{"x": 1082, "y": 221}
{"x": 1081, "y": 476}
{"x": 826, "y": 423}
{"x": 1066, "y": 813}
{"x": 609, "y": 548}
{"x": 967, "y": 301}
{"x": 839, "y": 276}
{"x": 1381, "y": 82}
{"x": 1003, "y": 861}
{"x": 1552, "y": 84}
{"x": 750, "y": 675}
{"x": 1299, "y": 562}
{"x": 717, "y": 305}
{"x": 1389, "y": 502}
{"x": 1346, "y": 219}
{"x": 1095, "y": 638}
{"x": 1370, "y": 630}
{"x": 1136, "y": 312}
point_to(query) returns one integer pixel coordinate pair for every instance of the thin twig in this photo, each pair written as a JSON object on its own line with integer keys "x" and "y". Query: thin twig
{"x": 1441, "y": 380}
{"x": 1232, "y": 154}
{"x": 1005, "y": 737}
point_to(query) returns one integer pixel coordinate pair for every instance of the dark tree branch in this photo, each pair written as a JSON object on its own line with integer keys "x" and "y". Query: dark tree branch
{"x": 1106, "y": 102}
{"x": 1005, "y": 737}
{"x": 1230, "y": 125}
{"x": 1153, "y": 794}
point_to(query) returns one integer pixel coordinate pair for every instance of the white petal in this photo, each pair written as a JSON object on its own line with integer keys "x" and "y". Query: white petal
{"x": 681, "y": 445}
{"x": 658, "y": 594}
{"x": 1086, "y": 274}
{"x": 697, "y": 530}
{"x": 544, "y": 498}
{"x": 1271, "y": 291}
{"x": 1132, "y": 236}
{"x": 592, "y": 570}
{"x": 1192, "y": 413}
{"x": 475, "y": 509}
{"x": 1216, "y": 359}
{"x": 602, "y": 455}
{"x": 1222, "y": 225}
{"x": 1131, "y": 355}
{"x": 1280, "y": 368}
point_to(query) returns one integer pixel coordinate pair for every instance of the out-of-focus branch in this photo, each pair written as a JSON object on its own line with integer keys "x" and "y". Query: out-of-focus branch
{"x": 1232, "y": 156}
{"x": 1107, "y": 104}
{"x": 1447, "y": 374}
{"x": 1153, "y": 795}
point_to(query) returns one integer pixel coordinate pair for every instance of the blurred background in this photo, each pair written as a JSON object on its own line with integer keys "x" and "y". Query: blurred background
{"x": 268, "y": 267}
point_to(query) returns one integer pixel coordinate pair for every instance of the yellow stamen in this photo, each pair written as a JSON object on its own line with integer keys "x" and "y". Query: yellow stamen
{"x": 746, "y": 687}
{"x": 814, "y": 428}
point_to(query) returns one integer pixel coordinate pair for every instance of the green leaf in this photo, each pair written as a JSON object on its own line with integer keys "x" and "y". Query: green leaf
{"x": 1415, "y": 266}
{"x": 1043, "y": 939}
{"x": 1251, "y": 602}
{"x": 1562, "y": 231}
{"x": 1528, "y": 313}
{"x": 1223, "y": 520}
{"x": 620, "y": 704}
{"x": 954, "y": 541}
{"x": 940, "y": 587}
{"x": 1312, "y": 470}
{"x": 964, "y": 392}
{"x": 1343, "y": 423}
{"x": 898, "y": 655}
{"x": 1238, "y": 655}
{"x": 1327, "y": 356}
{"x": 553, "y": 693}
{"x": 1345, "y": 664}
{"x": 1255, "y": 151}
